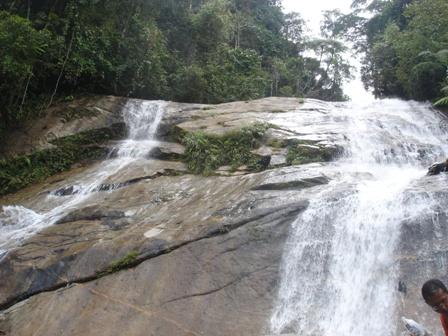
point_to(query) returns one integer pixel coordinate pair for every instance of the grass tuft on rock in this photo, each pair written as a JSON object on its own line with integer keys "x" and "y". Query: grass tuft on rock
{"x": 204, "y": 153}
{"x": 127, "y": 261}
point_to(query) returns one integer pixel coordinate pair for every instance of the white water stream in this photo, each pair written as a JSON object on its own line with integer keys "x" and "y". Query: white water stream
{"x": 142, "y": 119}
{"x": 339, "y": 275}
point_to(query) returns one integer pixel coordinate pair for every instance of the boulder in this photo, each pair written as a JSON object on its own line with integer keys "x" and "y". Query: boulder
{"x": 438, "y": 168}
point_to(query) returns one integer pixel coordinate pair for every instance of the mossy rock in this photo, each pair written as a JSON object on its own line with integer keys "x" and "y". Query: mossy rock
{"x": 159, "y": 154}
{"x": 277, "y": 143}
{"x": 204, "y": 153}
{"x": 73, "y": 113}
{"x": 296, "y": 142}
{"x": 305, "y": 153}
{"x": 91, "y": 137}
{"x": 21, "y": 171}
{"x": 176, "y": 134}
{"x": 127, "y": 261}
{"x": 294, "y": 184}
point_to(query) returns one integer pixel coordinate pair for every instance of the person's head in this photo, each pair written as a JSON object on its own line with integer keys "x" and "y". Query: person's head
{"x": 435, "y": 295}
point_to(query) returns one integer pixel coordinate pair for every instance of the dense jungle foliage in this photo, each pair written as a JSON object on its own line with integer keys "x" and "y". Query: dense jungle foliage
{"x": 405, "y": 43}
{"x": 206, "y": 51}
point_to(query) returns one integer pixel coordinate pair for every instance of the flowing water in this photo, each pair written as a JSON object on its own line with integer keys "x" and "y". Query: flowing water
{"x": 142, "y": 119}
{"x": 339, "y": 275}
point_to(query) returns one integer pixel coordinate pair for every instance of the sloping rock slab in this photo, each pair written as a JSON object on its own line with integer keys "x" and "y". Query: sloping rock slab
{"x": 140, "y": 218}
{"x": 221, "y": 285}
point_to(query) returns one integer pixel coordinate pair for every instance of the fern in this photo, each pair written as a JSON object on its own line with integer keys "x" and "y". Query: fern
{"x": 442, "y": 55}
{"x": 442, "y": 102}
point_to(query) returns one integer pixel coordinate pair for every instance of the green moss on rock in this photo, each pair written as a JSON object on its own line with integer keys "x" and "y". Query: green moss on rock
{"x": 204, "y": 153}
{"x": 299, "y": 153}
{"x": 127, "y": 261}
{"x": 21, "y": 171}
{"x": 176, "y": 134}
{"x": 277, "y": 143}
{"x": 73, "y": 113}
{"x": 92, "y": 137}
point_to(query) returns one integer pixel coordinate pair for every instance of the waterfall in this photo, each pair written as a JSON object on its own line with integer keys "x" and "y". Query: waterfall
{"x": 142, "y": 119}
{"x": 339, "y": 275}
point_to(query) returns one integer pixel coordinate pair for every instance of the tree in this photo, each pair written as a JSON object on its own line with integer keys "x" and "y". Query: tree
{"x": 395, "y": 40}
{"x": 332, "y": 69}
{"x": 22, "y": 50}
{"x": 211, "y": 26}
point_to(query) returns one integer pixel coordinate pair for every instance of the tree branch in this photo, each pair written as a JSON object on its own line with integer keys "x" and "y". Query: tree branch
{"x": 69, "y": 49}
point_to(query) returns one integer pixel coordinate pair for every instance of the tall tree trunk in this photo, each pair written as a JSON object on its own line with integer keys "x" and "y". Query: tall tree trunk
{"x": 25, "y": 93}
{"x": 238, "y": 31}
{"x": 69, "y": 49}
{"x": 11, "y": 7}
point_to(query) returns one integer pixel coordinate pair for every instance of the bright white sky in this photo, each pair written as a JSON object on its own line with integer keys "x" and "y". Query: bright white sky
{"x": 311, "y": 12}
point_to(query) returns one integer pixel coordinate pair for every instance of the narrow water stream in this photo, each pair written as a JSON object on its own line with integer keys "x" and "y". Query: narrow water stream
{"x": 339, "y": 274}
{"x": 142, "y": 119}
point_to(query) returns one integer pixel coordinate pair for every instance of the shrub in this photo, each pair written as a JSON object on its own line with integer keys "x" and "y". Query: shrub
{"x": 204, "y": 153}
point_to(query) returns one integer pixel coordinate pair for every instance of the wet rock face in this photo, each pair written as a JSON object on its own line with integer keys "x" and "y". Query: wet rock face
{"x": 438, "y": 168}
{"x": 423, "y": 253}
{"x": 63, "y": 120}
{"x": 220, "y": 258}
{"x": 157, "y": 250}
{"x": 91, "y": 214}
{"x": 294, "y": 184}
{"x": 214, "y": 286}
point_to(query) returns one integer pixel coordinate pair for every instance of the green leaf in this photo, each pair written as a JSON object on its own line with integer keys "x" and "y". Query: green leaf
{"x": 441, "y": 102}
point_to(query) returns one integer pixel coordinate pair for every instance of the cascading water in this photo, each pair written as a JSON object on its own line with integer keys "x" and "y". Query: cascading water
{"x": 339, "y": 274}
{"x": 142, "y": 119}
